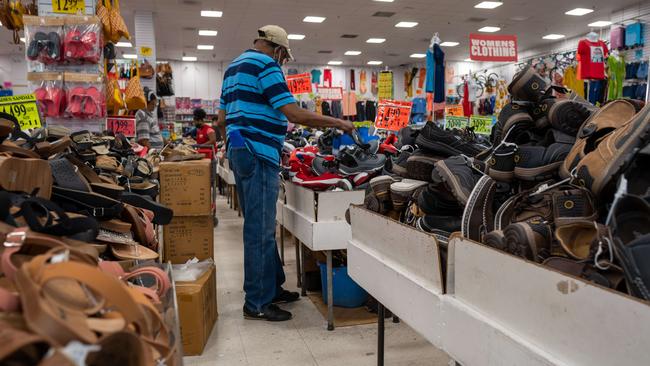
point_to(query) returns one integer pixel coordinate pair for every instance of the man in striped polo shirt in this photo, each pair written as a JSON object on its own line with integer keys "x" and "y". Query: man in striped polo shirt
{"x": 256, "y": 104}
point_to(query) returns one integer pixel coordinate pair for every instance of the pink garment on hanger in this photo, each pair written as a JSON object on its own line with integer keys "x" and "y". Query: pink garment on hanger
{"x": 327, "y": 78}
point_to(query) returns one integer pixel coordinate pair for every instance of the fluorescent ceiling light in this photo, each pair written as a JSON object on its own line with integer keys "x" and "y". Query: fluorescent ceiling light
{"x": 406, "y": 24}
{"x": 352, "y": 53}
{"x": 449, "y": 44}
{"x": 205, "y": 47}
{"x": 468, "y": 60}
{"x": 189, "y": 58}
{"x": 489, "y": 29}
{"x": 418, "y": 55}
{"x": 312, "y": 19}
{"x": 335, "y": 63}
{"x": 207, "y": 33}
{"x": 376, "y": 40}
{"x": 124, "y": 44}
{"x": 384, "y": 1}
{"x": 211, "y": 13}
{"x": 22, "y": 39}
{"x": 130, "y": 56}
{"x": 553, "y": 36}
{"x": 296, "y": 36}
{"x": 600, "y": 24}
{"x": 375, "y": 62}
{"x": 578, "y": 12}
{"x": 488, "y": 4}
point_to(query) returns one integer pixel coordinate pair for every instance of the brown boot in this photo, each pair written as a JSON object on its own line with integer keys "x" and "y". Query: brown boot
{"x": 530, "y": 239}
{"x": 580, "y": 240}
{"x": 601, "y": 166}
{"x": 606, "y": 120}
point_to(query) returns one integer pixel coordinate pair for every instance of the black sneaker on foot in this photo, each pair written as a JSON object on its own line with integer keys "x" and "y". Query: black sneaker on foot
{"x": 286, "y": 297}
{"x": 272, "y": 314}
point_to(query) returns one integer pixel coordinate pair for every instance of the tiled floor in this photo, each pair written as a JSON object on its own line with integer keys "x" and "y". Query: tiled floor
{"x": 303, "y": 340}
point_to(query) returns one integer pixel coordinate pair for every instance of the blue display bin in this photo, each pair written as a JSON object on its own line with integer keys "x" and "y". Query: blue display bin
{"x": 346, "y": 292}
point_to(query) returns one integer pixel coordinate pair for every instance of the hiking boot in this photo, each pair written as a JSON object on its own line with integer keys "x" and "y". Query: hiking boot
{"x": 496, "y": 240}
{"x": 420, "y": 165}
{"x": 286, "y": 297}
{"x": 436, "y": 200}
{"x": 372, "y": 203}
{"x": 272, "y": 314}
{"x": 603, "y": 165}
{"x": 577, "y": 269}
{"x": 581, "y": 239}
{"x": 501, "y": 165}
{"x": 537, "y": 163}
{"x": 354, "y": 160}
{"x": 638, "y": 176}
{"x": 568, "y": 115}
{"x": 458, "y": 176}
{"x": 513, "y": 116}
{"x": 402, "y": 192}
{"x": 440, "y": 226}
{"x": 398, "y": 165}
{"x": 478, "y": 218}
{"x": 606, "y": 120}
{"x": 527, "y": 85}
{"x": 406, "y": 137}
{"x": 445, "y": 143}
{"x": 530, "y": 239}
{"x": 380, "y": 186}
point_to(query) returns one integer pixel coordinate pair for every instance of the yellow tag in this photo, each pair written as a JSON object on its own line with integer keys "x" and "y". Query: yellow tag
{"x": 146, "y": 51}
{"x": 482, "y": 124}
{"x": 24, "y": 108}
{"x": 69, "y": 6}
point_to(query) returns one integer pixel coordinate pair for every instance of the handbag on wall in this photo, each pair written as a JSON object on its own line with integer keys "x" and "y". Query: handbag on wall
{"x": 146, "y": 70}
{"x": 118, "y": 26}
{"x": 135, "y": 99}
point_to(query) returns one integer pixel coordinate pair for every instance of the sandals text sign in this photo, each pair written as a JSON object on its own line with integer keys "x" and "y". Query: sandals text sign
{"x": 484, "y": 47}
{"x": 393, "y": 115}
{"x": 24, "y": 108}
{"x": 299, "y": 84}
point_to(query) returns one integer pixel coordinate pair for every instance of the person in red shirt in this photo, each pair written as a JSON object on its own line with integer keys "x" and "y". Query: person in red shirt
{"x": 205, "y": 135}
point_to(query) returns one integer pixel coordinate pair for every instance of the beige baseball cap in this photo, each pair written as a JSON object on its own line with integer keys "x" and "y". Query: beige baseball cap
{"x": 275, "y": 34}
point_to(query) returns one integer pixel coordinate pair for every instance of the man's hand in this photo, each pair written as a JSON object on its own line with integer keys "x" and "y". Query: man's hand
{"x": 345, "y": 126}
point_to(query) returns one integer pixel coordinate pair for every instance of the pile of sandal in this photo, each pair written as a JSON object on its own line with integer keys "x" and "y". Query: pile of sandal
{"x": 76, "y": 213}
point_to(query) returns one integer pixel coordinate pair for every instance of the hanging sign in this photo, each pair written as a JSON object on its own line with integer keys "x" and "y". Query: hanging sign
{"x": 24, "y": 108}
{"x": 452, "y": 122}
{"x": 385, "y": 86}
{"x": 300, "y": 83}
{"x": 454, "y": 110}
{"x": 69, "y": 6}
{"x": 146, "y": 51}
{"x": 330, "y": 93}
{"x": 123, "y": 125}
{"x": 393, "y": 115}
{"x": 498, "y": 48}
{"x": 482, "y": 124}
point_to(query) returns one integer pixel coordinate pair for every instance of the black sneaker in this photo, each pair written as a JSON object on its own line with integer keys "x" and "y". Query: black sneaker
{"x": 286, "y": 297}
{"x": 478, "y": 218}
{"x": 501, "y": 165}
{"x": 513, "y": 119}
{"x": 355, "y": 160}
{"x": 272, "y": 314}
{"x": 445, "y": 143}
{"x": 406, "y": 137}
{"x": 437, "y": 200}
{"x": 458, "y": 176}
{"x": 538, "y": 163}
{"x": 398, "y": 165}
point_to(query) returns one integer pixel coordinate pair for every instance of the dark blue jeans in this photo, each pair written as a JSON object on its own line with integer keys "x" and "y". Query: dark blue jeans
{"x": 258, "y": 183}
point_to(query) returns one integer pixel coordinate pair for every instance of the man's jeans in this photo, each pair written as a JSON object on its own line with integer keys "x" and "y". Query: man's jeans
{"x": 258, "y": 184}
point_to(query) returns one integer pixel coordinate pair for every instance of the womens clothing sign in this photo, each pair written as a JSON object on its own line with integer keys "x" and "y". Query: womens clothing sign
{"x": 591, "y": 60}
{"x": 483, "y": 47}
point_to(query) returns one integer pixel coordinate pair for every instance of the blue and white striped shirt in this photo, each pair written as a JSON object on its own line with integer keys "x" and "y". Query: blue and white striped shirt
{"x": 254, "y": 88}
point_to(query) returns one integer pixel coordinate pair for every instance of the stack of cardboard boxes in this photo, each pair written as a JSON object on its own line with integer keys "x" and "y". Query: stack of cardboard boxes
{"x": 186, "y": 188}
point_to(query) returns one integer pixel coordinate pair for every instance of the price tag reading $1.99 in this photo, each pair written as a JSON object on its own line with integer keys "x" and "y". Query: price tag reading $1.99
{"x": 24, "y": 108}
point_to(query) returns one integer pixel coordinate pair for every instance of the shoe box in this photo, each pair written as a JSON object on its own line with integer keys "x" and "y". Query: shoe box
{"x": 197, "y": 310}
{"x": 186, "y": 237}
{"x": 186, "y": 186}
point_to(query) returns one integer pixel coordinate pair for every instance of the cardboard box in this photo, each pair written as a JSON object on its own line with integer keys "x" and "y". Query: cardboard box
{"x": 188, "y": 237}
{"x": 197, "y": 309}
{"x": 185, "y": 187}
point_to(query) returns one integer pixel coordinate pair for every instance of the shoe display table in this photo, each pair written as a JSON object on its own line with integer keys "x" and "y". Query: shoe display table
{"x": 317, "y": 221}
{"x": 228, "y": 177}
{"x": 511, "y": 311}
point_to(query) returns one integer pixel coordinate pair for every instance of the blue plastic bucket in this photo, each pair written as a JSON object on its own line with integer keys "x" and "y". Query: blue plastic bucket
{"x": 346, "y": 292}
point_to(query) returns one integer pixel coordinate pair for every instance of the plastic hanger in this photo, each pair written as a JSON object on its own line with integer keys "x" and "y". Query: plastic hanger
{"x": 592, "y": 36}
{"x": 434, "y": 40}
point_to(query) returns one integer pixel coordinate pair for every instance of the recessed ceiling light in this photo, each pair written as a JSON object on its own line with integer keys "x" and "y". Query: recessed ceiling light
{"x": 384, "y": 1}
{"x": 130, "y": 56}
{"x": 375, "y": 62}
{"x": 468, "y": 60}
{"x": 22, "y": 39}
{"x": 296, "y": 36}
{"x": 376, "y": 40}
{"x": 335, "y": 63}
{"x": 553, "y": 36}
{"x": 189, "y": 58}
{"x": 449, "y": 44}
{"x": 488, "y": 4}
{"x": 312, "y": 19}
{"x": 418, "y": 55}
{"x": 205, "y": 47}
{"x": 578, "y": 12}
{"x": 207, "y": 33}
{"x": 352, "y": 53}
{"x": 123, "y": 44}
{"x": 600, "y": 24}
{"x": 211, "y": 13}
{"x": 489, "y": 29}
{"x": 406, "y": 24}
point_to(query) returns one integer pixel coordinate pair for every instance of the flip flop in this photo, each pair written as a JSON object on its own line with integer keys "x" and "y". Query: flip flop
{"x": 31, "y": 176}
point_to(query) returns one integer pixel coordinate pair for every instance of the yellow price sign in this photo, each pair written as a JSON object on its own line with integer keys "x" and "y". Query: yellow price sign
{"x": 482, "y": 124}
{"x": 146, "y": 51}
{"x": 24, "y": 108}
{"x": 69, "y": 6}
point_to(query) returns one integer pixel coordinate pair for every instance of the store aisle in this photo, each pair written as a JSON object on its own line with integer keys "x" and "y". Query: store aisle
{"x": 303, "y": 340}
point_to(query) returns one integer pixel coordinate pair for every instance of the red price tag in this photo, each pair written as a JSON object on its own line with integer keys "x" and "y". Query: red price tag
{"x": 123, "y": 125}
{"x": 299, "y": 84}
{"x": 393, "y": 115}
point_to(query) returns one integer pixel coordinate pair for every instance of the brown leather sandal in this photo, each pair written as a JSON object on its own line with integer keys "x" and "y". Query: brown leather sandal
{"x": 32, "y": 176}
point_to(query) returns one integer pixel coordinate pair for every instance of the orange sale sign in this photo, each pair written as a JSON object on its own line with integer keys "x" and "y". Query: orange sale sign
{"x": 393, "y": 115}
{"x": 299, "y": 84}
